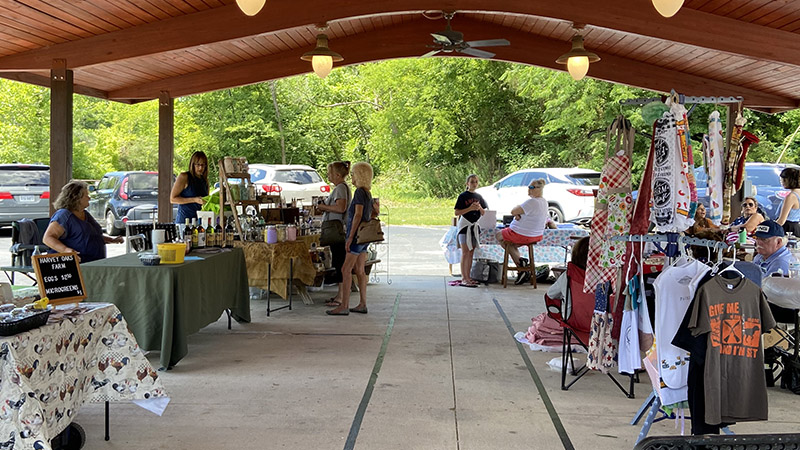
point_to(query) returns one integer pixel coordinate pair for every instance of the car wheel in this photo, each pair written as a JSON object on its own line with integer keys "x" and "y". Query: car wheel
{"x": 111, "y": 230}
{"x": 555, "y": 213}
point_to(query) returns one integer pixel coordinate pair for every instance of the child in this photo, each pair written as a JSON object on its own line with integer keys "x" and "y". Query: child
{"x": 469, "y": 207}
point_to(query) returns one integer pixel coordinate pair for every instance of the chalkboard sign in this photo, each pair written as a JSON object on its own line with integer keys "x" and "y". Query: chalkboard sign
{"x": 59, "y": 277}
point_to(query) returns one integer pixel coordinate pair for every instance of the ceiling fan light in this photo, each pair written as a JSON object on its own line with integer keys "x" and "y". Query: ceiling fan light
{"x": 668, "y": 8}
{"x": 250, "y": 7}
{"x": 578, "y": 67}
{"x": 322, "y": 65}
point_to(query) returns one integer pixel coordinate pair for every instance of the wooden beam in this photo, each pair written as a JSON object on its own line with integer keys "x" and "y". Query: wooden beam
{"x": 44, "y": 81}
{"x": 224, "y": 23}
{"x": 166, "y": 151}
{"x": 409, "y": 39}
{"x": 60, "y": 128}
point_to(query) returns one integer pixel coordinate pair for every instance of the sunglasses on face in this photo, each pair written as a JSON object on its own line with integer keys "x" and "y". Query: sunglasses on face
{"x": 747, "y": 205}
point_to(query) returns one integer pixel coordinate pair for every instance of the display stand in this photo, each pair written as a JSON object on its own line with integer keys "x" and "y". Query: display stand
{"x": 225, "y": 198}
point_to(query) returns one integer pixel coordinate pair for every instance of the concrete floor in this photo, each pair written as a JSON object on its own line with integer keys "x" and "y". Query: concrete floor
{"x": 452, "y": 377}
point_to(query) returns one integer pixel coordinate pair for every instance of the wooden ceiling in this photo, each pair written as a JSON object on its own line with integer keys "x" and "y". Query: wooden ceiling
{"x": 131, "y": 50}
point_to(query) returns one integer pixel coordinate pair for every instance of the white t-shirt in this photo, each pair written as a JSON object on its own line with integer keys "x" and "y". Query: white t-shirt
{"x": 533, "y": 221}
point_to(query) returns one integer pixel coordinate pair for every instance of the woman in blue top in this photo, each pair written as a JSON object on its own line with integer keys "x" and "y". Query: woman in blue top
{"x": 73, "y": 229}
{"x": 789, "y": 217}
{"x": 190, "y": 187}
{"x": 362, "y": 208}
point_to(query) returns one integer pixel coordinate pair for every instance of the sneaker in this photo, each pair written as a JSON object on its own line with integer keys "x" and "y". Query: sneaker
{"x": 523, "y": 262}
{"x": 523, "y": 278}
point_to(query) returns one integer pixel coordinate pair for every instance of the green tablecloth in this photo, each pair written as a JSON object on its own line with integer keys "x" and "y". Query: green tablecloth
{"x": 164, "y": 304}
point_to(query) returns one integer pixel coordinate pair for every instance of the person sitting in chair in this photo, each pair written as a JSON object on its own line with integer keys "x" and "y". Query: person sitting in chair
{"x": 580, "y": 253}
{"x": 773, "y": 256}
{"x": 530, "y": 219}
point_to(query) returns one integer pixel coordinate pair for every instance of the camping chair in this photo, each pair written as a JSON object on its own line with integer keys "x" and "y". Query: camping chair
{"x": 574, "y": 314}
{"x": 26, "y": 235}
{"x": 140, "y": 235}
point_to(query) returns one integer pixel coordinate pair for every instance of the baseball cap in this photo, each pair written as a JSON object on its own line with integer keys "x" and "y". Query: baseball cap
{"x": 768, "y": 229}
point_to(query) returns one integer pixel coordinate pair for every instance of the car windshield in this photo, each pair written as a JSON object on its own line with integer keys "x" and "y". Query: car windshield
{"x": 584, "y": 179}
{"x": 764, "y": 176}
{"x": 143, "y": 182}
{"x": 24, "y": 178}
{"x": 297, "y": 176}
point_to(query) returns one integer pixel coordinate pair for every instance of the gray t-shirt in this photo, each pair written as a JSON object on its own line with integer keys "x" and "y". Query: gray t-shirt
{"x": 735, "y": 314}
{"x": 340, "y": 191}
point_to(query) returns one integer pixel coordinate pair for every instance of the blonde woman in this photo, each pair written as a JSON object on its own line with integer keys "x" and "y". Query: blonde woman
{"x": 334, "y": 210}
{"x": 362, "y": 208}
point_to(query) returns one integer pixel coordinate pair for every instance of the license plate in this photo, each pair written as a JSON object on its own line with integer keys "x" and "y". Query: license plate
{"x": 26, "y": 198}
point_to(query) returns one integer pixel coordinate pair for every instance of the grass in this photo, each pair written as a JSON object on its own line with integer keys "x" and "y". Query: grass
{"x": 413, "y": 209}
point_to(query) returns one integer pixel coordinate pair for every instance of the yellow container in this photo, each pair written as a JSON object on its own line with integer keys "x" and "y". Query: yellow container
{"x": 171, "y": 253}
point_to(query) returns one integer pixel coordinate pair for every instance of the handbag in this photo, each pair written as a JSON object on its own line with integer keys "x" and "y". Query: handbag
{"x": 332, "y": 233}
{"x": 369, "y": 231}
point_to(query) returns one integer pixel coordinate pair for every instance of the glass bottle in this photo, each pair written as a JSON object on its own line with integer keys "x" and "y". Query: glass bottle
{"x": 201, "y": 235}
{"x": 187, "y": 231}
{"x": 218, "y": 231}
{"x": 229, "y": 232}
{"x": 211, "y": 238}
{"x": 194, "y": 234}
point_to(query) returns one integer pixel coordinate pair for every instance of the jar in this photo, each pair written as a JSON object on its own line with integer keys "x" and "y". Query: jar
{"x": 272, "y": 234}
{"x": 291, "y": 233}
{"x": 281, "y": 233}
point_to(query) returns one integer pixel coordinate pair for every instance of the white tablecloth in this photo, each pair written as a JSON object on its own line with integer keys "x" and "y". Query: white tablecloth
{"x": 551, "y": 249}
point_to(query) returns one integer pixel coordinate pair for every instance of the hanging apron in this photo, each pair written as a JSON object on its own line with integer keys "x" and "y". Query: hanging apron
{"x": 713, "y": 151}
{"x": 730, "y": 168}
{"x": 613, "y": 208}
{"x": 687, "y": 180}
{"x": 602, "y": 354}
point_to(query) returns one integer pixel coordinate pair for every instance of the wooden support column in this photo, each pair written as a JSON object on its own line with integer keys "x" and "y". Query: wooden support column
{"x": 60, "y": 128}
{"x": 166, "y": 153}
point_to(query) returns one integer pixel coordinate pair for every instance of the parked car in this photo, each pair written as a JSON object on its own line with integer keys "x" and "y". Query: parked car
{"x": 292, "y": 181}
{"x": 765, "y": 179}
{"x": 24, "y": 192}
{"x": 118, "y": 192}
{"x": 569, "y": 192}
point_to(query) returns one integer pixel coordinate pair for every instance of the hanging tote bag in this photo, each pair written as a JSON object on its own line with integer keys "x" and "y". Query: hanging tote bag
{"x": 369, "y": 231}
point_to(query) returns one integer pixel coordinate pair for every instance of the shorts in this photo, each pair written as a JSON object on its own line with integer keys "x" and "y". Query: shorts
{"x": 462, "y": 239}
{"x": 512, "y": 236}
{"x": 357, "y": 249}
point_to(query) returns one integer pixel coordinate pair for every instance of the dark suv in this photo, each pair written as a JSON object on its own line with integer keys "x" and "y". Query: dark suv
{"x": 24, "y": 192}
{"x": 118, "y": 192}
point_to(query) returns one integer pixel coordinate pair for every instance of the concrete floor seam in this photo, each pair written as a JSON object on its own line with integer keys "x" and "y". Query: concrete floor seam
{"x": 373, "y": 378}
{"x": 452, "y": 367}
{"x": 551, "y": 410}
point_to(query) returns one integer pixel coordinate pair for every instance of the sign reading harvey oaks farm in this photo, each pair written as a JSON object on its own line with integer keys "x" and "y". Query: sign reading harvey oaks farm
{"x": 59, "y": 277}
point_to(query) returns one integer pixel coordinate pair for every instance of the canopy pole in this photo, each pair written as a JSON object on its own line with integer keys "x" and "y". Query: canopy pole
{"x": 60, "y": 128}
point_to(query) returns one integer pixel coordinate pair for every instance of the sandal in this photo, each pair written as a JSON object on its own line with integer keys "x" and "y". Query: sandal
{"x": 359, "y": 310}
{"x": 332, "y": 312}
{"x": 333, "y": 302}
{"x": 470, "y": 285}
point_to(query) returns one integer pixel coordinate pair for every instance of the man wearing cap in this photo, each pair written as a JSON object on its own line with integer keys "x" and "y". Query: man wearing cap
{"x": 530, "y": 219}
{"x": 773, "y": 256}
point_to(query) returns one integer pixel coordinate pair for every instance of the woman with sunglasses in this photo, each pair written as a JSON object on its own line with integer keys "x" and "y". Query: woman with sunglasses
{"x": 789, "y": 217}
{"x": 750, "y": 217}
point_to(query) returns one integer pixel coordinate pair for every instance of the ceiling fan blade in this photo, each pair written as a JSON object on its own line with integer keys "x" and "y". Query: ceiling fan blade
{"x": 489, "y": 43}
{"x": 476, "y": 52}
{"x": 430, "y": 53}
{"x": 441, "y": 39}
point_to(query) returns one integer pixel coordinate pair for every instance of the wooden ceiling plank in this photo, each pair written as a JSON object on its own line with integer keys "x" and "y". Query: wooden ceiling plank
{"x": 39, "y": 20}
{"x": 197, "y": 5}
{"x": 764, "y": 14}
{"x": 790, "y": 10}
{"x": 86, "y": 16}
{"x": 257, "y": 44}
{"x": 133, "y": 9}
{"x": 748, "y": 7}
{"x": 726, "y": 8}
{"x": 79, "y": 22}
{"x": 107, "y": 16}
{"x": 151, "y": 9}
{"x": 395, "y": 43}
{"x": 18, "y": 37}
{"x": 166, "y": 7}
{"x": 225, "y": 23}
{"x": 30, "y": 31}
{"x": 242, "y": 49}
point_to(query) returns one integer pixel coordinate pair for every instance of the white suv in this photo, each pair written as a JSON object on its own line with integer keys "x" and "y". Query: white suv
{"x": 569, "y": 192}
{"x": 292, "y": 181}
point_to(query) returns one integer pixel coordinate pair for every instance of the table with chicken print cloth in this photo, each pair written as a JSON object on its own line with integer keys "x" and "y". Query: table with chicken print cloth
{"x": 84, "y": 353}
{"x": 551, "y": 249}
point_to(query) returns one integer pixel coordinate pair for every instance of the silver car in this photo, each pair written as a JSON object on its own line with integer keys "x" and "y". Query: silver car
{"x": 24, "y": 192}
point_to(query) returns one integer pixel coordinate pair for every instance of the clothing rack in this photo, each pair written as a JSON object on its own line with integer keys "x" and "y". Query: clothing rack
{"x": 683, "y": 99}
{"x": 686, "y": 240}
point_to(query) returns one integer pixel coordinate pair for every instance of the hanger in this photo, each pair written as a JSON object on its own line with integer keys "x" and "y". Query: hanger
{"x": 732, "y": 268}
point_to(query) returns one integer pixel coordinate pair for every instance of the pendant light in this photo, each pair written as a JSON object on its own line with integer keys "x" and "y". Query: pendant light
{"x": 250, "y": 7}
{"x": 322, "y": 58}
{"x": 667, "y": 8}
{"x": 578, "y": 59}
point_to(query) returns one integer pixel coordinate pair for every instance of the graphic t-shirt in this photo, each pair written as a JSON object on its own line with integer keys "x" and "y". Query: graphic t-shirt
{"x": 465, "y": 199}
{"x": 734, "y": 313}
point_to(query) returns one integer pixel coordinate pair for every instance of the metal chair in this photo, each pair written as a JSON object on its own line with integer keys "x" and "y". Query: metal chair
{"x": 21, "y": 252}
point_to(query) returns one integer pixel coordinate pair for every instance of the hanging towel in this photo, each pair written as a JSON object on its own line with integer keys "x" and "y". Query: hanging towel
{"x": 713, "y": 151}
{"x": 613, "y": 208}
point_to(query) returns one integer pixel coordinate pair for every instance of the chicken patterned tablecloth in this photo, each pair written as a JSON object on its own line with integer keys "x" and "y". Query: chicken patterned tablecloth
{"x": 83, "y": 354}
{"x": 551, "y": 249}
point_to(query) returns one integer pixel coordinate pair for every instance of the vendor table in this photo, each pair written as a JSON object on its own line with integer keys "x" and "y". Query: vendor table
{"x": 83, "y": 354}
{"x": 268, "y": 266}
{"x": 551, "y": 249}
{"x": 164, "y": 304}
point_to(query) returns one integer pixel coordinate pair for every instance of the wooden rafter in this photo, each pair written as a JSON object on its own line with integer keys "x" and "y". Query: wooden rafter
{"x": 409, "y": 40}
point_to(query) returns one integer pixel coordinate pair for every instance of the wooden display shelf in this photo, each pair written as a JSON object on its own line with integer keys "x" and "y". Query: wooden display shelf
{"x": 238, "y": 175}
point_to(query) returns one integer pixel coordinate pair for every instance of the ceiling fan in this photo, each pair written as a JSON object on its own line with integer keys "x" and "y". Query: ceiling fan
{"x": 450, "y": 40}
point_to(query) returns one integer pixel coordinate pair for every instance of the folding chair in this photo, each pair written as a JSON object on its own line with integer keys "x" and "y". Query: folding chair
{"x": 574, "y": 313}
{"x": 23, "y": 248}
